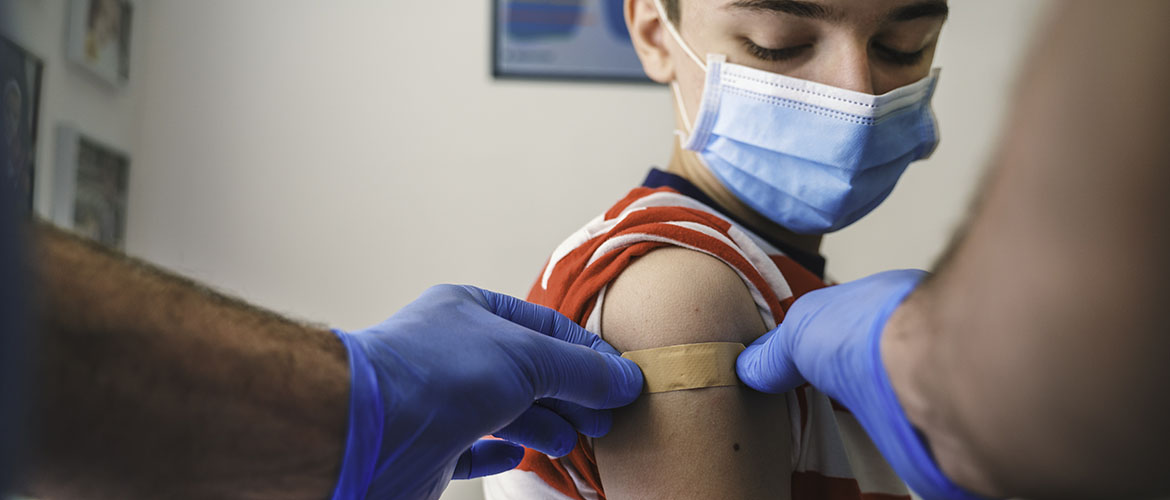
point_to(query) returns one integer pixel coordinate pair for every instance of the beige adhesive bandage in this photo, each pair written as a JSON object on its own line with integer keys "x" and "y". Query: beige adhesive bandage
{"x": 687, "y": 366}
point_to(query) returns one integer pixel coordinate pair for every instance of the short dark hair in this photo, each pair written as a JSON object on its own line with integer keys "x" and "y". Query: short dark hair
{"x": 671, "y": 10}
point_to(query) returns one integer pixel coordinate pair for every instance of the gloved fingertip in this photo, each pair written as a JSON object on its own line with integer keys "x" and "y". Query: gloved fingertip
{"x": 564, "y": 446}
{"x": 745, "y": 366}
{"x": 487, "y": 457}
{"x": 627, "y": 381}
{"x": 541, "y": 429}
{"x": 512, "y": 456}
{"x": 771, "y": 378}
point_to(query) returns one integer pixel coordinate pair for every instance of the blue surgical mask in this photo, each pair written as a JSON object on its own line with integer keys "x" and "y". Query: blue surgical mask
{"x": 810, "y": 157}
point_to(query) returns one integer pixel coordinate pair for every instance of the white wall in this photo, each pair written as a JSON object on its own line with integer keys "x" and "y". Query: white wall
{"x": 70, "y": 94}
{"x": 332, "y": 162}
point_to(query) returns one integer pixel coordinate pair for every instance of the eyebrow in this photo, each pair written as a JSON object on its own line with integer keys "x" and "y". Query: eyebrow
{"x": 811, "y": 10}
{"x": 929, "y": 8}
{"x": 793, "y": 7}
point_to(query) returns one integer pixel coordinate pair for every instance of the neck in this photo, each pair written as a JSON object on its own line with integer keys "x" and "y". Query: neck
{"x": 687, "y": 165}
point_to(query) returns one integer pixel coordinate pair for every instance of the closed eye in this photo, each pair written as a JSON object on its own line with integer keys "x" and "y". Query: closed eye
{"x": 782, "y": 54}
{"x": 898, "y": 57}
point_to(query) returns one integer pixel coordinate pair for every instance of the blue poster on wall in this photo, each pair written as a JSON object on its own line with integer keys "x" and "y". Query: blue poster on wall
{"x": 564, "y": 39}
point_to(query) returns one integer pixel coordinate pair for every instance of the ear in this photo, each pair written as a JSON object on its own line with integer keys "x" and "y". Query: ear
{"x": 648, "y": 33}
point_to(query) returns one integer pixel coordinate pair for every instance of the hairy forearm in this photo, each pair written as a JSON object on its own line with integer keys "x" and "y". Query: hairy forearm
{"x": 151, "y": 386}
{"x": 1035, "y": 360}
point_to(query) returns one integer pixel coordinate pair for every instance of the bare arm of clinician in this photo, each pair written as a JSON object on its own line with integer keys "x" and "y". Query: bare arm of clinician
{"x": 152, "y": 387}
{"x": 1035, "y": 361}
{"x": 718, "y": 442}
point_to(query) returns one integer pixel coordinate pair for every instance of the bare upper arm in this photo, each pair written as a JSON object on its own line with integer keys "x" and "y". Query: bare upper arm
{"x": 719, "y": 442}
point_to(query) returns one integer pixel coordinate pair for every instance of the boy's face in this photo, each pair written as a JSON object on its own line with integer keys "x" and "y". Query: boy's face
{"x": 870, "y": 46}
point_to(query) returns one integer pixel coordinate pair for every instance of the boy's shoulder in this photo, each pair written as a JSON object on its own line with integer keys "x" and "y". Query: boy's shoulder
{"x": 645, "y": 220}
{"x": 675, "y": 295}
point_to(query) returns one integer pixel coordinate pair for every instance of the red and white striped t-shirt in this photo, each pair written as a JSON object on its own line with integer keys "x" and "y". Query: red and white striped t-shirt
{"x": 835, "y": 459}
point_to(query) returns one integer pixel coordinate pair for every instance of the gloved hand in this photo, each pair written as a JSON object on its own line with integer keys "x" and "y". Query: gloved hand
{"x": 831, "y": 339}
{"x": 460, "y": 363}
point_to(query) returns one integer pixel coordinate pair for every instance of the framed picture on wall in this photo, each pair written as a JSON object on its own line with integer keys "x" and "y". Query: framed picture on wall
{"x": 20, "y": 95}
{"x": 99, "y": 38}
{"x": 563, "y": 39}
{"x": 90, "y": 187}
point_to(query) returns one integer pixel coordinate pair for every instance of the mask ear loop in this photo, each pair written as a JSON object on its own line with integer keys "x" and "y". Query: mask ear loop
{"x": 682, "y": 110}
{"x": 676, "y": 35}
{"x": 670, "y": 28}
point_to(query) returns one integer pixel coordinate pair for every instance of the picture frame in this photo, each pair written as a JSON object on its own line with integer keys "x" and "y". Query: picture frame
{"x": 21, "y": 74}
{"x": 99, "y": 38}
{"x": 572, "y": 40}
{"x": 90, "y": 188}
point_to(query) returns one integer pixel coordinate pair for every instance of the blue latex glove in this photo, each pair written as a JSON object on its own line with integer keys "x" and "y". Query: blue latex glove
{"x": 460, "y": 363}
{"x": 831, "y": 339}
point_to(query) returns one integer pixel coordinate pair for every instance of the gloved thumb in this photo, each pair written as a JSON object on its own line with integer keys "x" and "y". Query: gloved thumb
{"x": 487, "y": 457}
{"x": 767, "y": 364}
